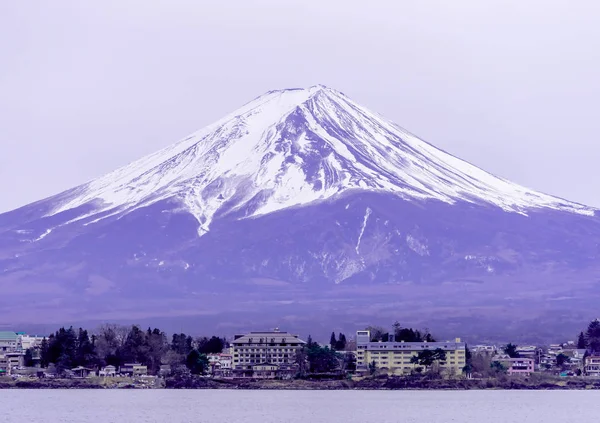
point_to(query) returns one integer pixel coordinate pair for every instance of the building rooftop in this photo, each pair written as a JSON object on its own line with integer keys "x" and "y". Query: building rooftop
{"x": 8, "y": 336}
{"x": 268, "y": 337}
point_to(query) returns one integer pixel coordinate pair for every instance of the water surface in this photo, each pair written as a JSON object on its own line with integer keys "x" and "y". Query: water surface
{"x": 210, "y": 406}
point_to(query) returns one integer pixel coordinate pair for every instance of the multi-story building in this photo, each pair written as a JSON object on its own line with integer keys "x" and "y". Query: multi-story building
{"x": 265, "y": 354}
{"x": 592, "y": 365}
{"x": 394, "y": 358}
{"x": 10, "y": 361}
{"x": 26, "y": 342}
{"x": 528, "y": 351}
{"x": 519, "y": 366}
{"x": 8, "y": 342}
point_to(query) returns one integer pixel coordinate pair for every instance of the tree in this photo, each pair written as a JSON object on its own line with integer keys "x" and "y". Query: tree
{"x": 593, "y": 336}
{"x": 301, "y": 359}
{"x": 214, "y": 345}
{"x": 196, "y": 362}
{"x": 428, "y": 357}
{"x": 44, "y": 357}
{"x": 332, "y": 341}
{"x": 511, "y": 350}
{"x": 377, "y": 333}
{"x": 372, "y": 367}
{"x": 157, "y": 347}
{"x": 561, "y": 360}
{"x": 135, "y": 348}
{"x": 62, "y": 349}
{"x": 349, "y": 362}
{"x": 322, "y": 359}
{"x": 341, "y": 342}
{"x": 581, "y": 342}
{"x": 109, "y": 340}
{"x": 468, "y": 368}
{"x": 28, "y": 359}
{"x": 497, "y": 367}
{"x": 182, "y": 344}
{"x": 85, "y": 353}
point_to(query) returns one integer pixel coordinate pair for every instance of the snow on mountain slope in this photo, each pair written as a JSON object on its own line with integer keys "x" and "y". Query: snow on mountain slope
{"x": 294, "y": 147}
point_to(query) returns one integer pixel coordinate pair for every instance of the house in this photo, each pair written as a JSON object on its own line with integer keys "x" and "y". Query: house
{"x": 592, "y": 366}
{"x": 108, "y": 371}
{"x": 257, "y": 353}
{"x": 519, "y": 366}
{"x": 82, "y": 372}
{"x": 394, "y": 358}
{"x": 220, "y": 365}
{"x": 134, "y": 369}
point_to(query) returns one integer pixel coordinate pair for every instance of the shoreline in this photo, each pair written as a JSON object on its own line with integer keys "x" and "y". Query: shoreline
{"x": 370, "y": 384}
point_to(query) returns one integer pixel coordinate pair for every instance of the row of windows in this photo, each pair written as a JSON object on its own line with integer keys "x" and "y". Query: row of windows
{"x": 242, "y": 349}
{"x": 262, "y": 355}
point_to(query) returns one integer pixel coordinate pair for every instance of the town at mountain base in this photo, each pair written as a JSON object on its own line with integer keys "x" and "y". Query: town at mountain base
{"x": 114, "y": 356}
{"x": 301, "y": 207}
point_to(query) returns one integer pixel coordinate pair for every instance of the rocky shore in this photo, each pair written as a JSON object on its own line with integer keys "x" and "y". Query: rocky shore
{"x": 376, "y": 383}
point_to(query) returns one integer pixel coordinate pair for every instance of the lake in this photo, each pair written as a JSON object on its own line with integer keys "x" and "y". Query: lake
{"x": 210, "y": 406}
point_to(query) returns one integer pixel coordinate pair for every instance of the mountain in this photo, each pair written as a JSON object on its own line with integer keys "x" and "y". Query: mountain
{"x": 302, "y": 207}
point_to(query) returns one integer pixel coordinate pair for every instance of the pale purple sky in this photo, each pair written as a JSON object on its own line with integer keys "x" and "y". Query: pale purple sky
{"x": 87, "y": 86}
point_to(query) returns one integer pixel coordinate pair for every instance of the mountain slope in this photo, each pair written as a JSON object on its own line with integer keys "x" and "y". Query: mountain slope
{"x": 297, "y": 195}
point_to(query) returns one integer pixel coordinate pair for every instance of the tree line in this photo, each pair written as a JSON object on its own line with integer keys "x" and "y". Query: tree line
{"x": 117, "y": 345}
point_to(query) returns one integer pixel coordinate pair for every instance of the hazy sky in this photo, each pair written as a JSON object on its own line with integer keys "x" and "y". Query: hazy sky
{"x": 88, "y": 86}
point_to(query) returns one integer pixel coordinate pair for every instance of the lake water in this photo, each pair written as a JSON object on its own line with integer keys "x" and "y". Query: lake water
{"x": 200, "y": 406}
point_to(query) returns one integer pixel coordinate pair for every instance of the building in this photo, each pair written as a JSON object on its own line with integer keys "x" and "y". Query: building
{"x": 10, "y": 361}
{"x": 26, "y": 342}
{"x": 519, "y": 366}
{"x": 260, "y": 353}
{"x": 8, "y": 342}
{"x": 484, "y": 349}
{"x": 528, "y": 351}
{"x": 82, "y": 372}
{"x": 133, "y": 369}
{"x": 592, "y": 365}
{"x": 394, "y": 358}
{"x": 220, "y": 365}
{"x": 108, "y": 371}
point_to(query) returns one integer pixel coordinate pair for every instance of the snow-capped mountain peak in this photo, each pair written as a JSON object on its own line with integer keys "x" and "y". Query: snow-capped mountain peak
{"x": 294, "y": 147}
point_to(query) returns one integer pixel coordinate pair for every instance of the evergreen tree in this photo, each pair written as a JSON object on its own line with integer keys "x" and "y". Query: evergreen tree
{"x": 593, "y": 336}
{"x": 511, "y": 350}
{"x": 85, "y": 354}
{"x": 581, "y": 342}
{"x": 341, "y": 342}
{"x": 44, "y": 358}
{"x": 332, "y": 341}
{"x": 309, "y": 342}
{"x": 135, "y": 349}
{"x": 28, "y": 359}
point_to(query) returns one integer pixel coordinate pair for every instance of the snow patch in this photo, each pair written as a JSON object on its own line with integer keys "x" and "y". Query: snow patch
{"x": 362, "y": 229}
{"x": 291, "y": 148}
